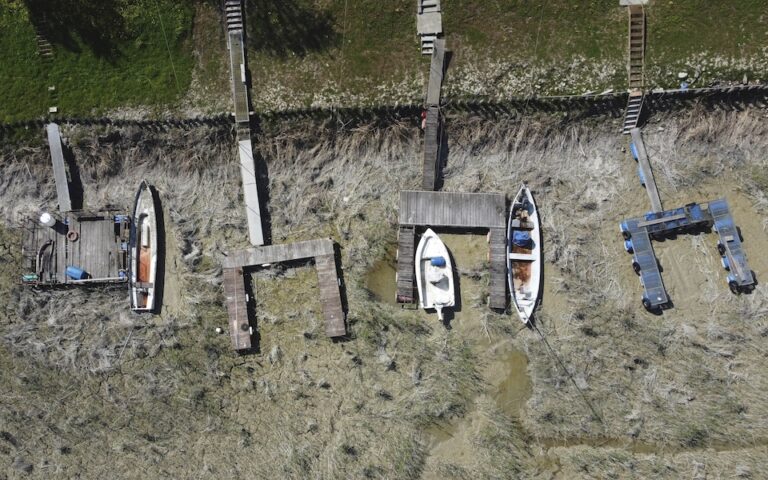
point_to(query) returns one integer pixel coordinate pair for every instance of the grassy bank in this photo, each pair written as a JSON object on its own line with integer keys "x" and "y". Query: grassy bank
{"x": 105, "y": 55}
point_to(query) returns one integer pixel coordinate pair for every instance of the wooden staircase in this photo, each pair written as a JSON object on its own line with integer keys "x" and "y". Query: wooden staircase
{"x": 632, "y": 114}
{"x": 636, "y": 46}
{"x": 45, "y": 49}
{"x": 429, "y": 24}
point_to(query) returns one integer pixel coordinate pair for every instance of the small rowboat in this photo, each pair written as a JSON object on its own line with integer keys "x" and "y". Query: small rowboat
{"x": 434, "y": 274}
{"x": 524, "y": 254}
{"x": 144, "y": 250}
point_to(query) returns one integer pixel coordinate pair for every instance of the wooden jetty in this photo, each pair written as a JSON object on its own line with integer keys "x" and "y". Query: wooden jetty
{"x": 469, "y": 211}
{"x": 236, "y": 263}
{"x": 96, "y": 243}
{"x": 647, "y": 172}
{"x": 59, "y": 167}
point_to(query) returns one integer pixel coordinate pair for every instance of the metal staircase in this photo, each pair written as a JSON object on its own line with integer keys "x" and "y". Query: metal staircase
{"x": 429, "y": 24}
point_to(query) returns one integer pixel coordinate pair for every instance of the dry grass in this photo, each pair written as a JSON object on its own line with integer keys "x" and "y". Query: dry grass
{"x": 166, "y": 395}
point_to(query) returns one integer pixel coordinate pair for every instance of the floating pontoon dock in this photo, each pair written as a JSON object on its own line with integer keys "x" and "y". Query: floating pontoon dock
{"x": 237, "y": 299}
{"x": 96, "y": 243}
{"x": 453, "y": 210}
{"x": 729, "y": 247}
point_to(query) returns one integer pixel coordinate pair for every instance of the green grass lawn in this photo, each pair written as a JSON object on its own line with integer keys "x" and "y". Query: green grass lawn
{"x": 106, "y": 55}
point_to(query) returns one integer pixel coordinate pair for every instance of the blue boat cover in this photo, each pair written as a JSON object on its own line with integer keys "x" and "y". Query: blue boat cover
{"x": 437, "y": 261}
{"x": 521, "y": 238}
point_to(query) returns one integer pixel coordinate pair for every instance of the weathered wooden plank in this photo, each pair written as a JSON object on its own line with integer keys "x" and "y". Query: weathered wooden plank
{"x": 237, "y": 67}
{"x": 278, "y": 253}
{"x": 431, "y": 165}
{"x": 406, "y": 240}
{"x": 467, "y": 210}
{"x": 59, "y": 168}
{"x": 237, "y": 308}
{"x": 498, "y": 268}
{"x": 436, "y": 70}
{"x": 330, "y": 296}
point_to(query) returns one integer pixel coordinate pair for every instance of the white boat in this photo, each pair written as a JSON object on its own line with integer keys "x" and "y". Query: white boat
{"x": 434, "y": 274}
{"x": 524, "y": 266}
{"x": 144, "y": 250}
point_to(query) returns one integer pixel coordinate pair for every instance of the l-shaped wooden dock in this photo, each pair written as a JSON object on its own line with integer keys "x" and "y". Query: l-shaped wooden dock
{"x": 239, "y": 301}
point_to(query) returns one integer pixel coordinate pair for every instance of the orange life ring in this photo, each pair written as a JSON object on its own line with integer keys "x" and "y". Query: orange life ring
{"x": 72, "y": 236}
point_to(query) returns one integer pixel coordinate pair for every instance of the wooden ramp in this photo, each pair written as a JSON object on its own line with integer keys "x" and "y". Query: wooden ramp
{"x": 59, "y": 167}
{"x": 431, "y": 164}
{"x": 647, "y": 172}
{"x": 321, "y": 250}
{"x": 468, "y": 211}
{"x": 250, "y": 192}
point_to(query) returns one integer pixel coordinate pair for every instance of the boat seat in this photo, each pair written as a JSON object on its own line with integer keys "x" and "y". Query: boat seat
{"x": 143, "y": 284}
{"x": 517, "y": 223}
{"x": 522, "y": 256}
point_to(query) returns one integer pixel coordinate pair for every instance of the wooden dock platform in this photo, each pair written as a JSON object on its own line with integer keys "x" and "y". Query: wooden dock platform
{"x": 236, "y": 300}
{"x": 322, "y": 250}
{"x": 469, "y": 211}
{"x": 99, "y": 246}
{"x": 59, "y": 167}
{"x": 645, "y": 168}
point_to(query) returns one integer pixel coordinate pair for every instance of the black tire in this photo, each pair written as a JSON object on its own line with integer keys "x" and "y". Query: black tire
{"x": 735, "y": 289}
{"x": 741, "y": 237}
{"x": 647, "y": 304}
{"x": 626, "y": 235}
{"x": 721, "y": 249}
{"x": 636, "y": 267}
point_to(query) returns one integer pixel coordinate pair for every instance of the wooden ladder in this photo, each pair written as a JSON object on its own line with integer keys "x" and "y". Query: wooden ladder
{"x": 233, "y": 11}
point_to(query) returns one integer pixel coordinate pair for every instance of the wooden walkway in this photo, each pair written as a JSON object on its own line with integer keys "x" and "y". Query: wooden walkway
{"x": 431, "y": 165}
{"x": 436, "y": 72}
{"x": 101, "y": 249}
{"x": 59, "y": 167}
{"x": 236, "y": 300}
{"x": 321, "y": 250}
{"x": 250, "y": 192}
{"x": 454, "y": 210}
{"x": 647, "y": 172}
{"x": 239, "y": 85}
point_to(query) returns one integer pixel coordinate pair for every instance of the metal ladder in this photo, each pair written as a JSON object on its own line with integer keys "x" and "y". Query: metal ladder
{"x": 632, "y": 114}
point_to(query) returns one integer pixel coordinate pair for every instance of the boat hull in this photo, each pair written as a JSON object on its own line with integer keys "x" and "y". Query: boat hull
{"x": 524, "y": 266}
{"x": 144, "y": 250}
{"x": 434, "y": 274}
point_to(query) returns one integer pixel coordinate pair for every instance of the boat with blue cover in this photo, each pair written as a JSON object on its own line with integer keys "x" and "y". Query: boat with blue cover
{"x": 524, "y": 266}
{"x": 434, "y": 274}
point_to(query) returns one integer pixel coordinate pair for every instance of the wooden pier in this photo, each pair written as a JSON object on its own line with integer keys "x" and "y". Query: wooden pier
{"x": 236, "y": 298}
{"x": 94, "y": 242}
{"x": 468, "y": 211}
{"x": 645, "y": 168}
{"x": 59, "y": 167}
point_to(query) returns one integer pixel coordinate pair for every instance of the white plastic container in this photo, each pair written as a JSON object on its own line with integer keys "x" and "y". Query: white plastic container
{"x": 47, "y": 220}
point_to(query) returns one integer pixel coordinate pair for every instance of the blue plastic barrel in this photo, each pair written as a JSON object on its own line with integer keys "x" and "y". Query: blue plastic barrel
{"x": 628, "y": 246}
{"x": 633, "y": 149}
{"x": 437, "y": 261}
{"x": 642, "y": 177}
{"x": 76, "y": 273}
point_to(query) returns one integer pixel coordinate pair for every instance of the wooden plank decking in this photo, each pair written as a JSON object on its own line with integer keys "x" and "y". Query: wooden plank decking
{"x": 250, "y": 192}
{"x": 59, "y": 168}
{"x": 100, "y": 249}
{"x": 436, "y": 71}
{"x": 330, "y": 296}
{"x": 406, "y": 241}
{"x": 444, "y": 209}
{"x": 237, "y": 308}
{"x": 431, "y": 165}
{"x": 322, "y": 250}
{"x": 498, "y": 267}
